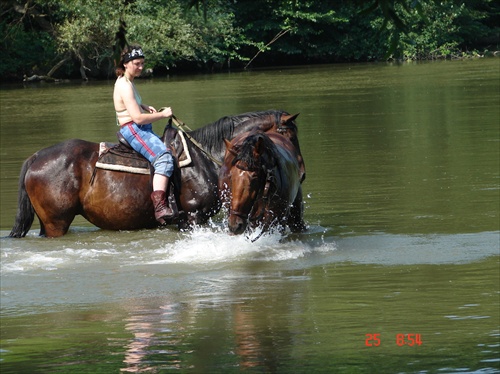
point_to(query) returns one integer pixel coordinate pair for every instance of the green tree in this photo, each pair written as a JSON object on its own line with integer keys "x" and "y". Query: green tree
{"x": 70, "y": 38}
{"x": 447, "y": 29}
{"x": 289, "y": 30}
{"x": 85, "y": 34}
{"x": 26, "y": 45}
{"x": 178, "y": 36}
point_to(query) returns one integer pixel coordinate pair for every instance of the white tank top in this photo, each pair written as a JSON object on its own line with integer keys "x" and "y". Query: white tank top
{"x": 123, "y": 116}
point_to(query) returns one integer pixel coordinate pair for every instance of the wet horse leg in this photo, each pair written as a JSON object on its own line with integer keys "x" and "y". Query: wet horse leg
{"x": 296, "y": 215}
{"x": 55, "y": 214}
{"x": 55, "y": 203}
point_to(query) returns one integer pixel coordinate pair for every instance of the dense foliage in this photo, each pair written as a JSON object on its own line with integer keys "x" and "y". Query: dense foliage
{"x": 68, "y": 38}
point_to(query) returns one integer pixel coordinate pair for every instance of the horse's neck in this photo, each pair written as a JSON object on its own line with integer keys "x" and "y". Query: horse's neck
{"x": 263, "y": 124}
{"x": 211, "y": 136}
{"x": 169, "y": 134}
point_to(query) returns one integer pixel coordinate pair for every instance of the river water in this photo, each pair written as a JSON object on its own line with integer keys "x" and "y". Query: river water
{"x": 398, "y": 272}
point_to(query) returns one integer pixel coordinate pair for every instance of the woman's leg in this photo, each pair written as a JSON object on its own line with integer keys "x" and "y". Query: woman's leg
{"x": 144, "y": 141}
{"x": 160, "y": 182}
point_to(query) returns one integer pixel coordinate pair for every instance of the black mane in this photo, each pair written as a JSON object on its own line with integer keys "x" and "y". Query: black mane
{"x": 211, "y": 136}
{"x": 245, "y": 152}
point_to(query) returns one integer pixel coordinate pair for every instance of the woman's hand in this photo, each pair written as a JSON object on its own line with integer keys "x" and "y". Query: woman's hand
{"x": 148, "y": 108}
{"x": 167, "y": 111}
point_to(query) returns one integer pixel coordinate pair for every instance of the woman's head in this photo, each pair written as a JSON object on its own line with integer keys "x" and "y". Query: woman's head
{"x": 131, "y": 57}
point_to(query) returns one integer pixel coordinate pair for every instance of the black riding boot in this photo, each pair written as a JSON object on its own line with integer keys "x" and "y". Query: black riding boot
{"x": 162, "y": 210}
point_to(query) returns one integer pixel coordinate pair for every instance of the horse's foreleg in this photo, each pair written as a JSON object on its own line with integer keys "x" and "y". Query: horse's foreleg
{"x": 183, "y": 223}
{"x": 296, "y": 215}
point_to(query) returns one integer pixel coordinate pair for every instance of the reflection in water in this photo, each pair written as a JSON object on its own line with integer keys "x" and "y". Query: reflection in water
{"x": 231, "y": 322}
{"x": 247, "y": 343}
{"x": 293, "y": 321}
{"x": 137, "y": 349}
{"x": 260, "y": 319}
{"x": 148, "y": 329}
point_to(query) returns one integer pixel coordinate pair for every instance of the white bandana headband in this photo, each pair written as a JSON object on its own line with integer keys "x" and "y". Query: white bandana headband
{"x": 132, "y": 55}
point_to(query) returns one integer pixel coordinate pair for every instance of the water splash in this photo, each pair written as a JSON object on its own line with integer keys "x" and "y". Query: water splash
{"x": 203, "y": 246}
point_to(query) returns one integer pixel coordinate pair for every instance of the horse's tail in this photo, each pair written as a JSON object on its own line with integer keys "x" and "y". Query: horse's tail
{"x": 25, "y": 211}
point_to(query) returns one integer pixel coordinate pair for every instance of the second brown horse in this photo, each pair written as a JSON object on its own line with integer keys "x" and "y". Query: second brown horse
{"x": 260, "y": 181}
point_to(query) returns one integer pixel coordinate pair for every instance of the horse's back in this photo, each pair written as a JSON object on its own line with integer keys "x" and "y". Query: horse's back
{"x": 288, "y": 151}
{"x": 69, "y": 149}
{"x": 62, "y": 165}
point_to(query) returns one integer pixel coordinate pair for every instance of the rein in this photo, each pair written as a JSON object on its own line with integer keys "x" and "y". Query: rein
{"x": 265, "y": 194}
{"x": 180, "y": 125}
{"x": 265, "y": 197}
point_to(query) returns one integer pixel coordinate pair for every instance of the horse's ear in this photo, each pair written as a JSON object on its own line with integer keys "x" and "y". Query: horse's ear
{"x": 288, "y": 118}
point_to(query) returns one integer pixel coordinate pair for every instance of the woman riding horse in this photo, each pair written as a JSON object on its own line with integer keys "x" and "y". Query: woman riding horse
{"x": 134, "y": 119}
{"x": 62, "y": 181}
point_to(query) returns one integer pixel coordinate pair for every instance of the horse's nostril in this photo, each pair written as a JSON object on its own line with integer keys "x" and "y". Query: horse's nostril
{"x": 240, "y": 228}
{"x": 237, "y": 228}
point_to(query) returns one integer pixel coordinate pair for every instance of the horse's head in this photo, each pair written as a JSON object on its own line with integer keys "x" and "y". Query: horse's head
{"x": 244, "y": 176}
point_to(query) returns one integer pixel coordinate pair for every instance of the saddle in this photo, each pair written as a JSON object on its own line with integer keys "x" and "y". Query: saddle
{"x": 122, "y": 157}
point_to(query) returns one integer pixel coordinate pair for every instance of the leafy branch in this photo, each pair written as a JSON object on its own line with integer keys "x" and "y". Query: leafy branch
{"x": 266, "y": 47}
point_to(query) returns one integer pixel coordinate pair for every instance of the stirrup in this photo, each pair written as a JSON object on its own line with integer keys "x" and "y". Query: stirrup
{"x": 171, "y": 201}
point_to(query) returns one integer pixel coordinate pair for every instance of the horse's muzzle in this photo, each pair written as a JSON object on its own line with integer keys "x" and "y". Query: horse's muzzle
{"x": 237, "y": 223}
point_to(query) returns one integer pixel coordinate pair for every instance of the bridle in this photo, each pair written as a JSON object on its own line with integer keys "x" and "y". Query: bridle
{"x": 265, "y": 197}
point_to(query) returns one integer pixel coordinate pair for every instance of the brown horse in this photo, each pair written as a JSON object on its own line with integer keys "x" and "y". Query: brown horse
{"x": 56, "y": 183}
{"x": 260, "y": 180}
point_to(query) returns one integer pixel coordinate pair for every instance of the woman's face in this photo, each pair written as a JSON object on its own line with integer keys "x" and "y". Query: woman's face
{"x": 134, "y": 67}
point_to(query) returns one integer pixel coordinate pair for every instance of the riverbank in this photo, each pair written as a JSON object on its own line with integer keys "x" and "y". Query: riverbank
{"x": 150, "y": 73}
